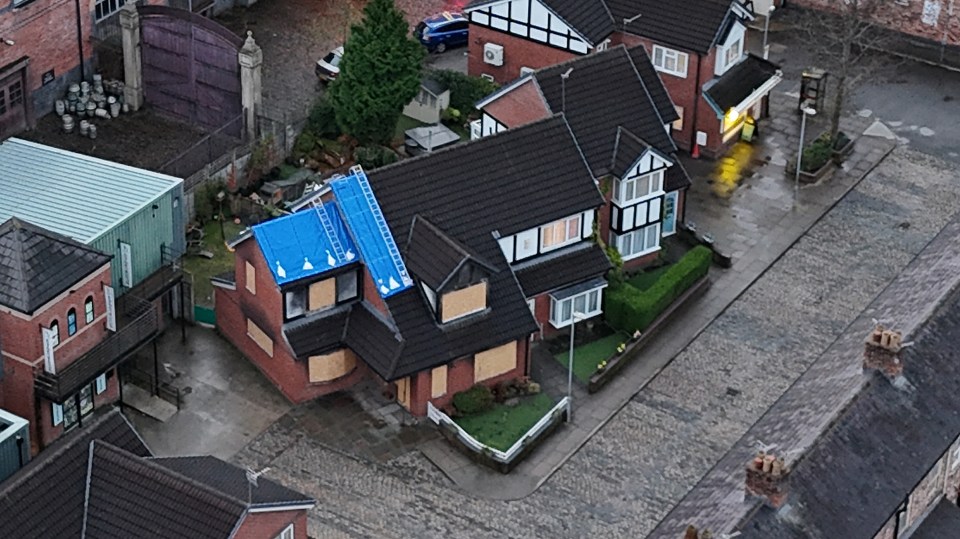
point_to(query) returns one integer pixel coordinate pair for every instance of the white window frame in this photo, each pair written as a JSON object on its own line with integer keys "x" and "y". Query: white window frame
{"x": 678, "y": 123}
{"x": 287, "y": 533}
{"x": 955, "y": 459}
{"x": 106, "y": 11}
{"x": 524, "y": 70}
{"x": 652, "y": 180}
{"x": 735, "y": 46}
{"x": 620, "y": 241}
{"x": 560, "y": 319}
{"x": 565, "y": 225}
{"x": 663, "y": 57}
{"x": 603, "y": 45}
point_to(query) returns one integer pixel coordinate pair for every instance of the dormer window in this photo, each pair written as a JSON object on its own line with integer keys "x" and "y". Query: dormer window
{"x": 322, "y": 294}
{"x": 560, "y": 233}
{"x": 459, "y": 303}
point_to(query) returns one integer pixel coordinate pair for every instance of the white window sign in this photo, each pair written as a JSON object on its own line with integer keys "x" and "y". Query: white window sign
{"x": 57, "y": 413}
{"x": 126, "y": 265}
{"x": 101, "y": 383}
{"x": 110, "y": 308}
{"x": 49, "y": 342}
{"x": 931, "y": 12}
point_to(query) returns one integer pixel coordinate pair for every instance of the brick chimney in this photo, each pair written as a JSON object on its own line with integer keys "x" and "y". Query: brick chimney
{"x": 692, "y": 533}
{"x": 882, "y": 352}
{"x": 767, "y": 477}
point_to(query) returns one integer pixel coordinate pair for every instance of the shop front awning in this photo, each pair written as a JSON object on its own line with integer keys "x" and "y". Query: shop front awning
{"x": 742, "y": 86}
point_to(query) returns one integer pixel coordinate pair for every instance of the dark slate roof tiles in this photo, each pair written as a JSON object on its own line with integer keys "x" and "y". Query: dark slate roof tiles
{"x": 432, "y": 256}
{"x": 31, "y": 508}
{"x": 129, "y": 495}
{"x": 317, "y": 332}
{"x": 740, "y": 81}
{"x": 942, "y": 522}
{"x": 883, "y": 444}
{"x": 567, "y": 266}
{"x": 693, "y": 25}
{"x": 36, "y": 265}
{"x": 232, "y": 481}
{"x": 595, "y": 121}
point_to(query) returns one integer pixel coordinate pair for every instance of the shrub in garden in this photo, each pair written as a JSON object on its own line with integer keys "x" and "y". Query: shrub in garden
{"x": 477, "y": 399}
{"x": 464, "y": 89}
{"x": 816, "y": 154}
{"x": 630, "y": 309}
{"x": 322, "y": 122}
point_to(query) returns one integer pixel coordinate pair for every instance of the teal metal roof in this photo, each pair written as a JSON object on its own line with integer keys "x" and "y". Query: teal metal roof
{"x": 75, "y": 195}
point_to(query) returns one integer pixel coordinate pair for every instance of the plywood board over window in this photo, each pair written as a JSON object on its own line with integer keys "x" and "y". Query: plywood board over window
{"x": 332, "y": 366}
{"x": 464, "y": 301}
{"x": 250, "y": 279}
{"x": 323, "y": 294}
{"x": 495, "y": 361}
{"x": 438, "y": 382}
{"x": 260, "y": 337}
{"x": 403, "y": 392}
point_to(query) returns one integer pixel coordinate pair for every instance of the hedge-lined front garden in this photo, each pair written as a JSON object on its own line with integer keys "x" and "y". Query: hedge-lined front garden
{"x": 630, "y": 309}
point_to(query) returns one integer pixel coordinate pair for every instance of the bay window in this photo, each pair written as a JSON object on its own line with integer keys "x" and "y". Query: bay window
{"x": 638, "y": 242}
{"x": 585, "y": 299}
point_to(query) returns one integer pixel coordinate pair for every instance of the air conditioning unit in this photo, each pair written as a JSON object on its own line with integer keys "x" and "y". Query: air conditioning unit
{"x": 493, "y": 54}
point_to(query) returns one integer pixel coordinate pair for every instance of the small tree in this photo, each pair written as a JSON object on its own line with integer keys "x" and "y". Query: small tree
{"x": 843, "y": 35}
{"x": 379, "y": 74}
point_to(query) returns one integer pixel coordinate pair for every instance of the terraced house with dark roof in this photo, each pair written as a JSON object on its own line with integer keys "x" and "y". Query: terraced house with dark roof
{"x": 626, "y": 141}
{"x": 429, "y": 276}
{"x": 105, "y": 482}
{"x": 697, "y": 47}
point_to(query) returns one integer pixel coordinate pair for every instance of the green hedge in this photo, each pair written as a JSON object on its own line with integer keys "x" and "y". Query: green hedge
{"x": 478, "y": 398}
{"x": 630, "y": 309}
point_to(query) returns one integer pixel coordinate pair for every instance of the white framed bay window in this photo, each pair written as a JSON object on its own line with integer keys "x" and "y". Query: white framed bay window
{"x": 584, "y": 299}
{"x": 637, "y": 188}
{"x": 637, "y": 242}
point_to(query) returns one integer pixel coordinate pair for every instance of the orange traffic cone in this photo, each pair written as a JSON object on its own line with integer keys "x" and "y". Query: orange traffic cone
{"x": 696, "y": 151}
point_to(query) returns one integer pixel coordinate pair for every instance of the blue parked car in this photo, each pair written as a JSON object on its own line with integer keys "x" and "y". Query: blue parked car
{"x": 440, "y": 32}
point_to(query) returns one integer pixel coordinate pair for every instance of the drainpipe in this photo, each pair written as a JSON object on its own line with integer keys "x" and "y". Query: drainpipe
{"x": 83, "y": 74}
{"x": 696, "y": 103}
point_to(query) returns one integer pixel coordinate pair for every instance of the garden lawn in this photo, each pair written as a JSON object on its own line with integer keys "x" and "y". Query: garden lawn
{"x": 587, "y": 356}
{"x": 501, "y": 426}
{"x": 645, "y": 280}
{"x": 202, "y": 268}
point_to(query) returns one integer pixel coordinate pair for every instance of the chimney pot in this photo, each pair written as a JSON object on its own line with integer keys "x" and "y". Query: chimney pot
{"x": 768, "y": 481}
{"x": 881, "y": 352}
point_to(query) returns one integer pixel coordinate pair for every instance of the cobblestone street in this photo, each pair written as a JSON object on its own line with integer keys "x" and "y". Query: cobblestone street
{"x": 656, "y": 448}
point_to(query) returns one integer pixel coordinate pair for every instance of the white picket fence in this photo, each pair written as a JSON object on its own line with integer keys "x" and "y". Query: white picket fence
{"x": 507, "y": 456}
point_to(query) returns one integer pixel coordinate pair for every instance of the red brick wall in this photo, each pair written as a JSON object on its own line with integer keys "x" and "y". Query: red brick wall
{"x": 269, "y": 525}
{"x": 46, "y": 31}
{"x": 266, "y": 309}
{"x": 517, "y": 52}
{"x": 460, "y": 378}
{"x": 685, "y": 93}
{"x": 371, "y": 295}
{"x": 907, "y": 18}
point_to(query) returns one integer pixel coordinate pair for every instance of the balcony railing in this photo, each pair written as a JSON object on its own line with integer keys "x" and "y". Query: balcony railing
{"x": 158, "y": 282}
{"x": 137, "y": 323}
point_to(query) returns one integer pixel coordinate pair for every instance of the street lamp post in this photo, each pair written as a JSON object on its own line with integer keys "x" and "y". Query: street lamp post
{"x": 807, "y": 111}
{"x": 766, "y": 28}
{"x": 574, "y": 318}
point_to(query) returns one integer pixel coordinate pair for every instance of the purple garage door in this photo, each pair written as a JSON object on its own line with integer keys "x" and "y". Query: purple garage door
{"x": 190, "y": 67}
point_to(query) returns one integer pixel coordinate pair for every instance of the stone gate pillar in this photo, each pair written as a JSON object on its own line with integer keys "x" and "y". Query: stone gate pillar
{"x": 251, "y": 83}
{"x": 132, "y": 66}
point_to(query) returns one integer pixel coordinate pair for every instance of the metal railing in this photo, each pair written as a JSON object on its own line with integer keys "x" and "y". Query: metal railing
{"x": 163, "y": 390}
{"x": 504, "y": 457}
{"x": 141, "y": 325}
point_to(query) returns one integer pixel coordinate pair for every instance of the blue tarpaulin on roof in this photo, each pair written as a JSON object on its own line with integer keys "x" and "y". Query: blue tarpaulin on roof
{"x": 363, "y": 216}
{"x": 306, "y": 243}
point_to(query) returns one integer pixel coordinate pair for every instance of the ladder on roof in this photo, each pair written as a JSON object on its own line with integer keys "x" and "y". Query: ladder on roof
{"x": 328, "y": 228}
{"x": 381, "y": 224}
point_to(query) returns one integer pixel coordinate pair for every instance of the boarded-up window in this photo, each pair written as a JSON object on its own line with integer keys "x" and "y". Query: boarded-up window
{"x": 251, "y": 278}
{"x": 403, "y": 392}
{"x": 495, "y": 361}
{"x": 323, "y": 294}
{"x": 463, "y": 302}
{"x": 259, "y": 337}
{"x": 331, "y": 366}
{"x": 438, "y": 381}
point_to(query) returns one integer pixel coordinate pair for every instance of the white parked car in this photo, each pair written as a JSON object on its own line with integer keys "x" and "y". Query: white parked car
{"x": 329, "y": 66}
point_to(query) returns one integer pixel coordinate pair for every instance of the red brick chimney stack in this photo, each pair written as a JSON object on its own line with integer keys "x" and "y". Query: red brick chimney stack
{"x": 882, "y": 352}
{"x": 767, "y": 477}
